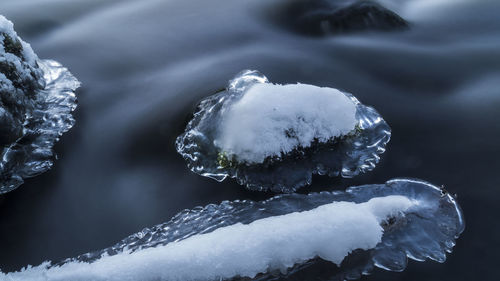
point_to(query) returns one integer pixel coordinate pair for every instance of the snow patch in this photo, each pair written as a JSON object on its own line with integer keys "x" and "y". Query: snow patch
{"x": 271, "y": 119}
{"x": 329, "y": 231}
{"x": 7, "y": 27}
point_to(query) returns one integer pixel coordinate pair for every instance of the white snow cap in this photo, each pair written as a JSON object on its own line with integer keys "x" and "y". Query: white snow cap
{"x": 330, "y": 231}
{"x": 7, "y": 27}
{"x": 271, "y": 119}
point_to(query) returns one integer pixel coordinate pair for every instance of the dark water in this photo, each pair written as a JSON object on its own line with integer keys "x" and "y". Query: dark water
{"x": 145, "y": 64}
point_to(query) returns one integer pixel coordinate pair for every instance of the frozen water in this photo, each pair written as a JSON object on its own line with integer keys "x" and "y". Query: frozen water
{"x": 381, "y": 225}
{"x": 272, "y": 243}
{"x": 276, "y": 136}
{"x": 36, "y": 101}
{"x": 31, "y": 154}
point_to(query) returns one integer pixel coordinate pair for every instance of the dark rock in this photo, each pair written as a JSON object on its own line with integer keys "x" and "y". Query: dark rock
{"x": 326, "y": 17}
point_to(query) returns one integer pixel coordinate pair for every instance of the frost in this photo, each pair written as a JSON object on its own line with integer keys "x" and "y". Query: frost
{"x": 36, "y": 101}
{"x": 275, "y": 137}
{"x": 377, "y": 225}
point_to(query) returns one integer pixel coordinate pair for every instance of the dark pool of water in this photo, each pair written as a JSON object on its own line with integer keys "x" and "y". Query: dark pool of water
{"x": 145, "y": 64}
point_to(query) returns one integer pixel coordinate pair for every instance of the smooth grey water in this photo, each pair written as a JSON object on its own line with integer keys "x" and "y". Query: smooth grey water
{"x": 145, "y": 64}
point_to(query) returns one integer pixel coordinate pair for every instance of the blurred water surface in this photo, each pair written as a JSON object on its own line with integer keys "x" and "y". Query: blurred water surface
{"x": 145, "y": 64}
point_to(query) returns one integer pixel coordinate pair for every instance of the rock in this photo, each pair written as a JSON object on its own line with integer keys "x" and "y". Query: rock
{"x": 322, "y": 17}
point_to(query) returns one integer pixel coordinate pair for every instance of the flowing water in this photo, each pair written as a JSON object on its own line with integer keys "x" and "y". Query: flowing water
{"x": 145, "y": 64}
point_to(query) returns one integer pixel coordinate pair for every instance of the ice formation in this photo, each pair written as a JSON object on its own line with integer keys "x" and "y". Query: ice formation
{"x": 36, "y": 101}
{"x": 270, "y": 120}
{"x": 275, "y": 137}
{"x": 382, "y": 225}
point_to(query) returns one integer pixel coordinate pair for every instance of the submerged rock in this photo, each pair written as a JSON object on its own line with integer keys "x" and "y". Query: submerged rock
{"x": 36, "y": 100}
{"x": 324, "y": 17}
{"x": 277, "y": 136}
{"x": 344, "y": 234}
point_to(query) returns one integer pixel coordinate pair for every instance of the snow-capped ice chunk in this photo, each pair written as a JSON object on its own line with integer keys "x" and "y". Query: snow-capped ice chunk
{"x": 275, "y": 137}
{"x": 270, "y": 120}
{"x": 385, "y": 223}
{"x": 36, "y": 100}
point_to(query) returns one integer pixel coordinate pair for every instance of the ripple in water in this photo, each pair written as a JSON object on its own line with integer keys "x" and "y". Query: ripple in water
{"x": 36, "y": 101}
{"x": 323, "y": 144}
{"x": 380, "y": 225}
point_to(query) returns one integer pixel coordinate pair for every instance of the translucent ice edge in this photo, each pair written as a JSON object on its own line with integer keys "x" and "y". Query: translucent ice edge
{"x": 348, "y": 233}
{"x": 32, "y": 154}
{"x": 346, "y": 155}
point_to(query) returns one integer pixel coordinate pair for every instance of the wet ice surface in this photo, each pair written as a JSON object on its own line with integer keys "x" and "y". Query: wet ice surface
{"x": 32, "y": 154}
{"x": 277, "y": 150}
{"x": 36, "y": 101}
{"x": 383, "y": 224}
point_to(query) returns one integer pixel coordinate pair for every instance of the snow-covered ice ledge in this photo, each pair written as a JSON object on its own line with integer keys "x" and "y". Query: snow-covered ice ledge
{"x": 387, "y": 222}
{"x": 276, "y": 137}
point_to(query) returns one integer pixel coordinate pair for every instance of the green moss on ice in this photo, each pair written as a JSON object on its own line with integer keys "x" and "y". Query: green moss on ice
{"x": 12, "y": 46}
{"x": 225, "y": 161}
